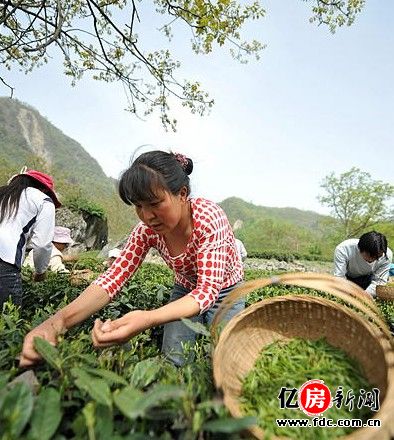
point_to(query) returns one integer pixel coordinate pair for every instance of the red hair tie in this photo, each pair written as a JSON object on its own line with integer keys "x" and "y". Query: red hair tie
{"x": 182, "y": 159}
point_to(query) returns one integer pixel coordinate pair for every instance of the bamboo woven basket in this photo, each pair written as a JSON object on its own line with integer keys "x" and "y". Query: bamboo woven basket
{"x": 362, "y": 334}
{"x": 385, "y": 292}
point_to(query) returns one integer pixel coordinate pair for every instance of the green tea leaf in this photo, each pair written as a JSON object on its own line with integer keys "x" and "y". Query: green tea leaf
{"x": 145, "y": 372}
{"x": 90, "y": 419}
{"x": 16, "y": 410}
{"x": 134, "y": 403}
{"x": 161, "y": 393}
{"x": 48, "y": 352}
{"x": 128, "y": 401}
{"x": 104, "y": 423}
{"x": 197, "y": 327}
{"x": 78, "y": 426}
{"x": 4, "y": 377}
{"x": 229, "y": 425}
{"x": 98, "y": 389}
{"x": 47, "y": 414}
{"x": 4, "y": 354}
{"x": 80, "y": 373}
{"x": 290, "y": 363}
{"x": 109, "y": 376}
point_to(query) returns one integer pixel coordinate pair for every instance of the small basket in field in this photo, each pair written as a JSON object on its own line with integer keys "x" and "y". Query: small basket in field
{"x": 358, "y": 330}
{"x": 385, "y": 292}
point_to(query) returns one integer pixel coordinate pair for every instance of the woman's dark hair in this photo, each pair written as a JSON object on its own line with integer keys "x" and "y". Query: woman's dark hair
{"x": 374, "y": 243}
{"x": 152, "y": 171}
{"x": 10, "y": 194}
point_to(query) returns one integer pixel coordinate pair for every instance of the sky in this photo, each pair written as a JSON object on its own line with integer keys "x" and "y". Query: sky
{"x": 314, "y": 103}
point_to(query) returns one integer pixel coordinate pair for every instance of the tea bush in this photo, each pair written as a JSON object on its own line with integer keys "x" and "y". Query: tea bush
{"x": 124, "y": 392}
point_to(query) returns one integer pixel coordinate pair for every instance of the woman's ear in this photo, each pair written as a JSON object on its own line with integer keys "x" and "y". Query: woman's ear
{"x": 183, "y": 194}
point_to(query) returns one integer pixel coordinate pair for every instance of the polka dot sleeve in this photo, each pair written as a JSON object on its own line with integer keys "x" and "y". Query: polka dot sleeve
{"x": 127, "y": 263}
{"x": 211, "y": 263}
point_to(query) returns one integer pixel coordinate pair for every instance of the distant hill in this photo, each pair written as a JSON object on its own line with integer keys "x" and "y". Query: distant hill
{"x": 237, "y": 208}
{"x": 24, "y": 132}
{"x": 27, "y": 138}
{"x": 280, "y": 230}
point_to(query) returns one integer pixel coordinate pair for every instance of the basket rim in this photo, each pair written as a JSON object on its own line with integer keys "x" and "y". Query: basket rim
{"x": 335, "y": 286}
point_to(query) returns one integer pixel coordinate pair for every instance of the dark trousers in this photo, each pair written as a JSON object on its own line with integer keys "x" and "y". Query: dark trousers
{"x": 10, "y": 284}
{"x": 364, "y": 281}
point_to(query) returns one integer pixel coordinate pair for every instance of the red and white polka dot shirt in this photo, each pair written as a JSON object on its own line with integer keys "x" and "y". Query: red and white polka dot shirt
{"x": 209, "y": 263}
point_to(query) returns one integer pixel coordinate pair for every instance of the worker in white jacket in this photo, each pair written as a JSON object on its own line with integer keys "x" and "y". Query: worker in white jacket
{"x": 27, "y": 214}
{"x": 365, "y": 261}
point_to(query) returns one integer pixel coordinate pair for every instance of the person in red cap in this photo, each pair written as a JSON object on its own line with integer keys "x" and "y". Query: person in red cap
{"x": 27, "y": 215}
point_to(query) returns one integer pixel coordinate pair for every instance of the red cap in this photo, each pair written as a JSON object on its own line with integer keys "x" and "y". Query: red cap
{"x": 46, "y": 180}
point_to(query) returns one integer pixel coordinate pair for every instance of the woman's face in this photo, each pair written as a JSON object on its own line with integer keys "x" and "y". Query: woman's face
{"x": 60, "y": 246}
{"x": 163, "y": 213}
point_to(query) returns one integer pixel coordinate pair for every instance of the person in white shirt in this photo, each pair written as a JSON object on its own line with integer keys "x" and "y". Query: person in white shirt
{"x": 27, "y": 214}
{"x": 365, "y": 261}
{"x": 241, "y": 249}
{"x": 61, "y": 240}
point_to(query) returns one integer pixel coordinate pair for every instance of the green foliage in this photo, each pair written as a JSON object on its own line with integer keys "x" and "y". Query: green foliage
{"x": 285, "y": 256}
{"x": 387, "y": 309}
{"x": 334, "y": 13}
{"x": 110, "y": 393}
{"x": 357, "y": 201}
{"x": 290, "y": 364}
{"x": 230, "y": 425}
{"x": 85, "y": 206}
{"x": 387, "y": 229}
{"x": 144, "y": 373}
{"x": 48, "y": 352}
{"x": 47, "y": 415}
{"x": 97, "y": 389}
{"x": 281, "y": 233}
{"x": 88, "y": 260}
{"x": 127, "y": 391}
{"x": 15, "y": 410}
{"x": 5, "y": 170}
{"x": 134, "y": 403}
{"x": 238, "y": 209}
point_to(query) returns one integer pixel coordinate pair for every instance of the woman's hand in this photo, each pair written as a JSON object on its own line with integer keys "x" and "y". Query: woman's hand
{"x": 91, "y": 300}
{"x": 120, "y": 330}
{"x": 48, "y": 330}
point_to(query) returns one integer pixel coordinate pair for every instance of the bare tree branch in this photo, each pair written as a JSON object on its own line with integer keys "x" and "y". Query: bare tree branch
{"x": 56, "y": 33}
{"x": 92, "y": 38}
{"x": 7, "y": 85}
